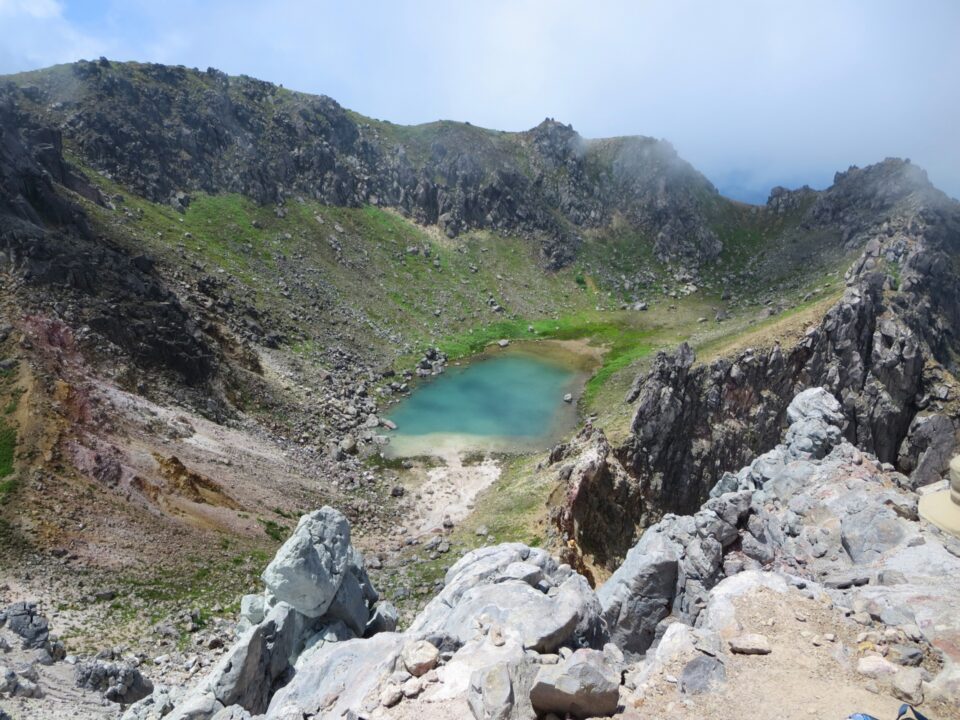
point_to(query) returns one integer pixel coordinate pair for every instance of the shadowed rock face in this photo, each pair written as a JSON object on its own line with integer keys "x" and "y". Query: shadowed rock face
{"x": 46, "y": 240}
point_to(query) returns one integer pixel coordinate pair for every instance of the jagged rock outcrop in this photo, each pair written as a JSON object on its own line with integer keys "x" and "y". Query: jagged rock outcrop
{"x": 46, "y": 242}
{"x": 26, "y": 621}
{"x": 118, "y": 681}
{"x": 317, "y": 593}
{"x": 886, "y": 351}
{"x": 815, "y": 512}
{"x": 167, "y": 132}
{"x": 671, "y": 570}
{"x": 508, "y": 604}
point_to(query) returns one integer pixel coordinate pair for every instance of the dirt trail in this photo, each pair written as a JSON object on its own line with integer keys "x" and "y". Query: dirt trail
{"x": 806, "y": 675}
{"x": 450, "y": 490}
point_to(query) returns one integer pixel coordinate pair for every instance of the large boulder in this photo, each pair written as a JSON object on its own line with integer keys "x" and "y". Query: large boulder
{"x": 586, "y": 684}
{"x": 491, "y": 693}
{"x": 318, "y": 594}
{"x": 500, "y": 585}
{"x": 384, "y": 619}
{"x": 815, "y": 404}
{"x": 308, "y": 569}
{"x": 420, "y": 657}
{"x": 24, "y": 619}
{"x": 501, "y": 691}
{"x": 333, "y": 678}
{"x": 254, "y": 666}
{"x": 640, "y": 593}
{"x": 117, "y": 681}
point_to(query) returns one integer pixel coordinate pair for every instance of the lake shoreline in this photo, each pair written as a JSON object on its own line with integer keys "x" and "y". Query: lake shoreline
{"x": 504, "y": 400}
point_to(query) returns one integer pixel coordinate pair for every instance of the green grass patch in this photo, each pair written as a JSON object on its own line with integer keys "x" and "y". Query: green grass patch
{"x": 511, "y": 507}
{"x": 625, "y": 336}
{"x": 11, "y": 407}
{"x": 8, "y": 445}
{"x": 274, "y": 530}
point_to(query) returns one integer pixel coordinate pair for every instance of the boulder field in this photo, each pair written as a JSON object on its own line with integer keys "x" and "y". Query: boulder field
{"x": 814, "y": 524}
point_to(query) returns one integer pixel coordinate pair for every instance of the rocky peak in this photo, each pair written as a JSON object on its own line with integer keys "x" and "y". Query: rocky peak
{"x": 555, "y": 141}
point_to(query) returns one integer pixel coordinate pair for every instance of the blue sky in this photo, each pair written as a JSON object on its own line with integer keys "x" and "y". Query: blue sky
{"x": 753, "y": 93}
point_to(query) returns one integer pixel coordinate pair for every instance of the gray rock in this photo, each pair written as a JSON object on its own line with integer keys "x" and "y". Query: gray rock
{"x": 640, "y": 592}
{"x": 702, "y": 674}
{"x": 334, "y": 632}
{"x": 476, "y": 586}
{"x": 28, "y": 689}
{"x": 349, "y": 605}
{"x": 155, "y": 706}
{"x": 251, "y": 670}
{"x": 308, "y": 569}
{"x": 586, "y": 684}
{"x": 848, "y": 579}
{"x": 526, "y": 572}
{"x": 908, "y": 655}
{"x": 750, "y": 644}
{"x": 811, "y": 437}
{"x": 117, "y": 682}
{"x": 334, "y": 678}
{"x": 384, "y": 619}
{"x": 234, "y": 712}
{"x": 8, "y": 680}
{"x": 540, "y": 622}
{"x": 490, "y": 695}
{"x": 908, "y": 685}
{"x": 867, "y": 534}
{"x": 200, "y": 706}
{"x": 25, "y": 620}
{"x": 419, "y": 657}
{"x": 815, "y": 404}
{"x": 252, "y": 608}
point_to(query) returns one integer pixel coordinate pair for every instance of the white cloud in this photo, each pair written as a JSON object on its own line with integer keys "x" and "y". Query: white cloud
{"x": 37, "y": 34}
{"x": 40, "y": 9}
{"x": 753, "y": 93}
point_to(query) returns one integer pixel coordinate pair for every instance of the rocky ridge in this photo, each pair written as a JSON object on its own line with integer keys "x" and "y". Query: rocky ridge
{"x": 167, "y": 132}
{"x": 886, "y": 351}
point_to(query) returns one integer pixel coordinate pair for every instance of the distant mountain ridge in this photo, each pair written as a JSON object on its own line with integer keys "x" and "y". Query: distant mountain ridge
{"x": 168, "y": 131}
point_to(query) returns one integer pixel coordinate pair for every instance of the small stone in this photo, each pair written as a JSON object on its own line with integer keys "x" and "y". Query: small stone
{"x": 908, "y": 685}
{"x": 912, "y": 632}
{"x": 701, "y": 675}
{"x": 875, "y": 666}
{"x": 390, "y": 695}
{"x": 411, "y": 688}
{"x": 908, "y": 655}
{"x": 750, "y": 644}
{"x": 420, "y": 658}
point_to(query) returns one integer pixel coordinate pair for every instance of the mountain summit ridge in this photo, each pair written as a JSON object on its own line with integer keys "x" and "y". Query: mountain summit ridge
{"x": 167, "y": 132}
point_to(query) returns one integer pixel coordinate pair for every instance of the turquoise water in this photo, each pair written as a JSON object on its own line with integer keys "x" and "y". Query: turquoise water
{"x": 508, "y": 400}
